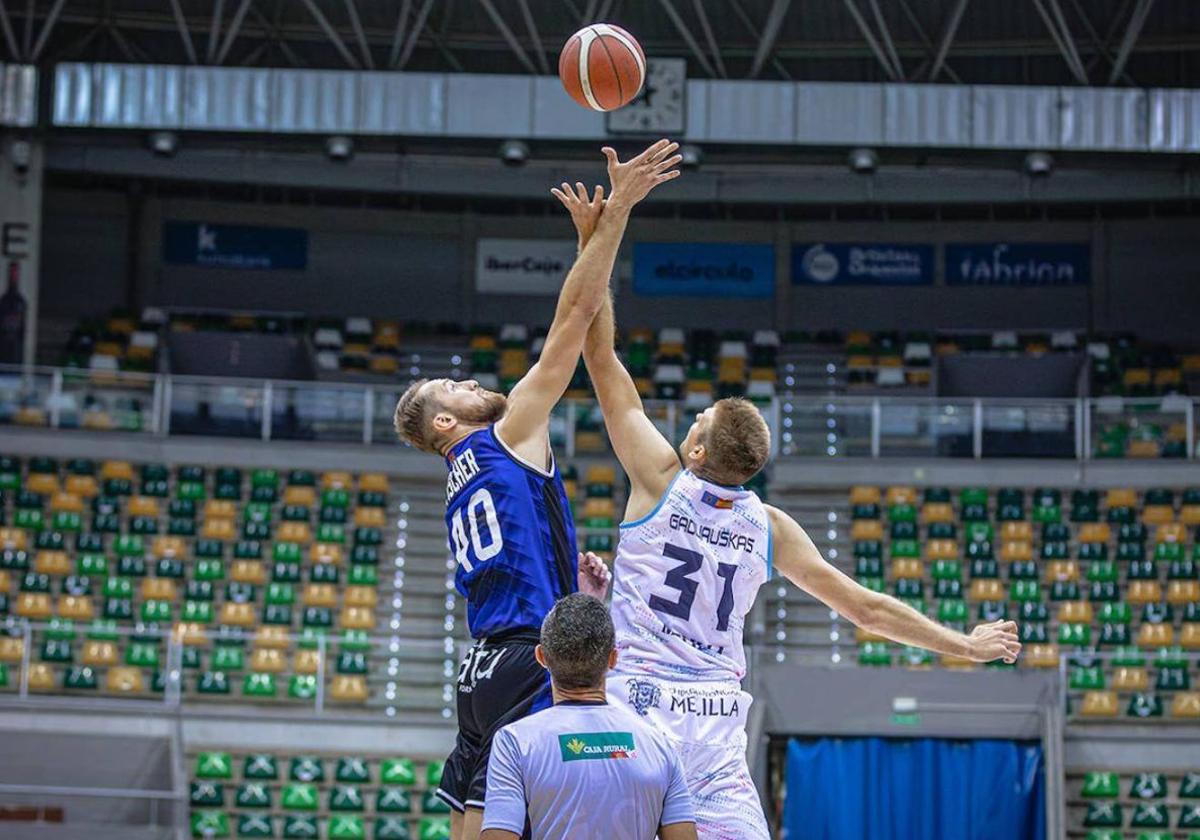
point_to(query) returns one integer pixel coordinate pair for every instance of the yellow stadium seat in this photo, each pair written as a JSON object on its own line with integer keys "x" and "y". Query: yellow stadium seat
{"x": 900, "y": 495}
{"x": 1168, "y": 378}
{"x": 56, "y": 563}
{"x": 220, "y": 509}
{"x": 1189, "y": 515}
{"x": 124, "y": 680}
{"x": 1136, "y": 377}
{"x": 34, "y": 605}
{"x": 1018, "y": 531}
{"x": 374, "y": 482}
{"x": 941, "y": 549}
{"x": 601, "y": 474}
{"x": 860, "y": 361}
{"x": 937, "y": 512}
{"x": 866, "y": 529}
{"x": 1062, "y": 570}
{"x": 1099, "y": 704}
{"x": 1121, "y": 497}
{"x": 1075, "y": 612}
{"x": 13, "y": 538}
{"x": 956, "y": 663}
{"x": 1094, "y": 532}
{"x": 337, "y": 479}
{"x": 384, "y": 364}
{"x": 349, "y": 688}
{"x": 361, "y": 596}
{"x": 190, "y": 633}
{"x": 268, "y": 660}
{"x": 96, "y": 419}
{"x": 168, "y": 547}
{"x": 862, "y": 636}
{"x": 1158, "y": 514}
{"x": 1189, "y": 635}
{"x": 320, "y": 595}
{"x": 158, "y": 589}
{"x": 1181, "y": 592}
{"x": 44, "y": 483}
{"x": 271, "y": 637}
{"x": 66, "y": 501}
{"x": 1127, "y": 678}
{"x": 1143, "y": 449}
{"x": 99, "y": 654}
{"x": 30, "y": 416}
{"x": 370, "y": 517}
{"x": 41, "y": 677}
{"x": 908, "y": 568}
{"x": 1171, "y": 532}
{"x": 84, "y": 486}
{"x": 76, "y": 607}
{"x": 1015, "y": 551}
{"x": 249, "y": 571}
{"x": 237, "y": 615}
{"x": 303, "y": 496}
{"x": 1186, "y": 704}
{"x": 307, "y": 661}
{"x": 143, "y": 506}
{"x": 218, "y": 529}
{"x": 5, "y": 581}
{"x": 985, "y": 589}
{"x": 1042, "y": 656}
{"x": 296, "y": 532}
{"x": 357, "y": 618}
{"x": 12, "y": 649}
{"x": 116, "y": 469}
{"x": 601, "y": 508}
{"x": 1155, "y": 635}
{"x": 326, "y": 553}
{"x": 1144, "y": 592}
{"x": 864, "y": 494}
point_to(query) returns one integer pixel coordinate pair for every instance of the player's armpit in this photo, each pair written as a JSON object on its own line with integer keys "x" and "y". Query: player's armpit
{"x": 676, "y": 831}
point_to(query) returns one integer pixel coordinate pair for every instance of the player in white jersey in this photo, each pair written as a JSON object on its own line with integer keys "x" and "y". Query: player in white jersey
{"x": 694, "y": 549}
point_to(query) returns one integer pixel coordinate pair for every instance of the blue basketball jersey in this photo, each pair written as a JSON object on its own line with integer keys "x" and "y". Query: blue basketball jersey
{"x": 512, "y": 534}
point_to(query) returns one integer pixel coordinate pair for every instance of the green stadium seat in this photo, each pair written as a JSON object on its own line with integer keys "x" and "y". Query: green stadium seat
{"x": 258, "y": 685}
{"x": 261, "y": 766}
{"x": 867, "y": 548}
{"x": 1033, "y": 632}
{"x": 214, "y": 765}
{"x": 306, "y": 768}
{"x": 874, "y": 653}
{"x": 1075, "y": 634}
{"x": 1101, "y": 785}
{"x": 369, "y": 554}
{"x": 299, "y": 796}
{"x": 391, "y": 828}
{"x": 81, "y": 678}
{"x": 344, "y": 797}
{"x": 1143, "y": 705}
{"x": 904, "y": 530}
{"x": 942, "y": 531}
{"x": 1064, "y": 590}
{"x": 433, "y": 828}
{"x": 1121, "y": 515}
{"x": 1189, "y": 785}
{"x": 905, "y": 548}
{"x": 213, "y": 682}
{"x": 333, "y": 515}
{"x": 300, "y": 827}
{"x": 205, "y": 794}
{"x": 1103, "y": 815}
{"x": 342, "y": 827}
{"x": 1087, "y": 678}
{"x": 1024, "y": 570}
{"x": 1093, "y": 551}
{"x": 210, "y": 824}
{"x": 302, "y": 687}
{"x": 952, "y": 612}
{"x": 992, "y": 611}
{"x": 255, "y": 826}
{"x": 936, "y": 494}
{"x": 1149, "y": 815}
{"x": 397, "y": 771}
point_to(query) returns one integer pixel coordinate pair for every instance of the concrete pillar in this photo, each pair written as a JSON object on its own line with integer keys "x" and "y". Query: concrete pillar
{"x": 20, "y": 234}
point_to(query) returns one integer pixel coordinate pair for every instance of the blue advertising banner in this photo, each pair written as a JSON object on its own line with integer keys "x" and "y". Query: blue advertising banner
{"x": 862, "y": 263}
{"x": 1018, "y": 264}
{"x": 235, "y": 246}
{"x": 705, "y": 269}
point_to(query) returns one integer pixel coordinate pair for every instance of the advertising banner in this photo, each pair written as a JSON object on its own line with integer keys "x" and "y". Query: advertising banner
{"x": 704, "y": 269}
{"x": 862, "y": 264}
{"x": 522, "y": 266}
{"x": 235, "y": 246}
{"x": 1018, "y": 264}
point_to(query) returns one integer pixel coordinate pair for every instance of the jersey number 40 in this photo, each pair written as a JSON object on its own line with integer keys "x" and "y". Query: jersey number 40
{"x": 479, "y": 507}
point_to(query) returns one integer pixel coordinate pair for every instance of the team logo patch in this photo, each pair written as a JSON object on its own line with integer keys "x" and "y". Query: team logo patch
{"x": 713, "y": 500}
{"x": 585, "y": 746}
{"x": 643, "y": 696}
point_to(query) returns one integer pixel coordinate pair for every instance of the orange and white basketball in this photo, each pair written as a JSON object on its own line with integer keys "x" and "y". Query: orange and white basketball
{"x": 602, "y": 67}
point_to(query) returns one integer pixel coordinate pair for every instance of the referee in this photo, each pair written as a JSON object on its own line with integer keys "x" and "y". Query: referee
{"x": 583, "y": 770}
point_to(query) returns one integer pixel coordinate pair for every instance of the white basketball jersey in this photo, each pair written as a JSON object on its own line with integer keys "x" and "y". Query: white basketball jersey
{"x": 685, "y": 578}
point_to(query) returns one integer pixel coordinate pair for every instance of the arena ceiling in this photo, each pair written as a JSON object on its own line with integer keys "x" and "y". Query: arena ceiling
{"x": 1070, "y": 42}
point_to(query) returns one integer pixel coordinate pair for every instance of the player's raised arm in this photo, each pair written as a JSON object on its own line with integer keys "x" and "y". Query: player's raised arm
{"x": 523, "y": 426}
{"x": 798, "y": 559}
{"x": 647, "y": 457}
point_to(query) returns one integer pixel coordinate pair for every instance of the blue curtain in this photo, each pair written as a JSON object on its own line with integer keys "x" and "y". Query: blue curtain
{"x": 914, "y": 789}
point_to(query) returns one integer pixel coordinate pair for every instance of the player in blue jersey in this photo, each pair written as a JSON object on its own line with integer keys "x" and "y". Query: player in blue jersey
{"x": 506, "y": 510}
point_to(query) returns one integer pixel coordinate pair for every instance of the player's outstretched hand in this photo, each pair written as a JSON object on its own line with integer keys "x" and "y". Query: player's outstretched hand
{"x": 631, "y": 181}
{"x": 594, "y": 576}
{"x": 585, "y": 212}
{"x": 995, "y": 640}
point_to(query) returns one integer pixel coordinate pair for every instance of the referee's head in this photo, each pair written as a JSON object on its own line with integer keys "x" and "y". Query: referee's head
{"x": 578, "y": 643}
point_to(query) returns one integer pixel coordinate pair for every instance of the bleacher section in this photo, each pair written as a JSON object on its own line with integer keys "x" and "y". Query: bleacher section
{"x": 1150, "y": 805}
{"x": 1106, "y": 581}
{"x": 241, "y": 794}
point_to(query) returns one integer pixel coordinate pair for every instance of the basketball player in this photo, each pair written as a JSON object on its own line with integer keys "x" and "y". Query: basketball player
{"x": 506, "y": 510}
{"x": 695, "y": 546}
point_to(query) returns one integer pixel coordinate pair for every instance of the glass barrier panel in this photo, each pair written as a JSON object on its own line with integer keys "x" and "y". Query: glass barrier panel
{"x": 815, "y": 426}
{"x": 317, "y": 412}
{"x": 223, "y": 410}
{"x": 1139, "y": 428}
{"x": 25, "y": 397}
{"x": 107, "y": 401}
{"x": 925, "y": 428}
{"x": 1035, "y": 430}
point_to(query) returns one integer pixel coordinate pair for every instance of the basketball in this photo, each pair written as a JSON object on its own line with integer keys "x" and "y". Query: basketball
{"x": 602, "y": 67}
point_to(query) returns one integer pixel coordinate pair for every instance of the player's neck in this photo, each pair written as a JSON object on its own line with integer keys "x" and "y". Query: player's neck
{"x": 579, "y": 695}
{"x": 464, "y": 432}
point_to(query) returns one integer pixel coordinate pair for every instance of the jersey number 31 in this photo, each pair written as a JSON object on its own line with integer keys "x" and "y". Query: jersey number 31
{"x": 680, "y": 579}
{"x": 479, "y": 507}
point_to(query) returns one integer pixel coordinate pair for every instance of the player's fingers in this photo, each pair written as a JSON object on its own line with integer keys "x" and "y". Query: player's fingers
{"x": 1009, "y": 626}
{"x": 611, "y": 154}
{"x": 581, "y": 191}
{"x": 666, "y": 176}
{"x": 668, "y": 163}
{"x": 598, "y": 198}
{"x": 650, "y": 150}
{"x": 658, "y": 155}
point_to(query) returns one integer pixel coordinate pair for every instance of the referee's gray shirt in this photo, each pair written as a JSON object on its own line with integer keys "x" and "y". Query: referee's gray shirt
{"x": 584, "y": 770}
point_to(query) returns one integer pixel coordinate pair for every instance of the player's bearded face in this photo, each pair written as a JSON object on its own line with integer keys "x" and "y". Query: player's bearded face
{"x": 484, "y": 407}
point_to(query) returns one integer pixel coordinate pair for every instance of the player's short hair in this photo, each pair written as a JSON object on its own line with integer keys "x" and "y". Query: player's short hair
{"x": 413, "y": 413}
{"x": 577, "y": 638}
{"x": 737, "y": 442}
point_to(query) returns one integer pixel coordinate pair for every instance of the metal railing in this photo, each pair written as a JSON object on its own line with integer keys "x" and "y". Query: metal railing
{"x": 803, "y": 425}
